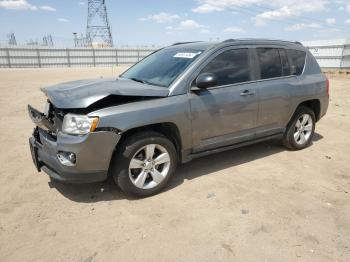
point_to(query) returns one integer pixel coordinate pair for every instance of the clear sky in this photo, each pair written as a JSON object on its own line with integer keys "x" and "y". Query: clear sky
{"x": 162, "y": 22}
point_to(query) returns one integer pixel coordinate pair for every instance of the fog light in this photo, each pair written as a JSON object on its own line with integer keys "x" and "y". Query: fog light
{"x": 66, "y": 158}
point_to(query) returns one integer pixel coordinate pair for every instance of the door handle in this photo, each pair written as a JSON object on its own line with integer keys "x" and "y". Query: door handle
{"x": 247, "y": 93}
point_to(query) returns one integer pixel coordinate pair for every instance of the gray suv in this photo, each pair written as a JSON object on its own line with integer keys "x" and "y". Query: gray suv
{"x": 181, "y": 102}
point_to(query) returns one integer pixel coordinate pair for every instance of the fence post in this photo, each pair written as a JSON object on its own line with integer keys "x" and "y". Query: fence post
{"x": 38, "y": 56}
{"x": 93, "y": 57}
{"x": 68, "y": 57}
{"x": 8, "y": 57}
{"x": 116, "y": 57}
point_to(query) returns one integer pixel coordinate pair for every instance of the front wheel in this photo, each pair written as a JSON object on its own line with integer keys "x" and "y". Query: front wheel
{"x": 301, "y": 129}
{"x": 144, "y": 164}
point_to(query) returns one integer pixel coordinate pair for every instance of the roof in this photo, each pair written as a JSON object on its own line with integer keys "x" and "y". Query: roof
{"x": 198, "y": 45}
{"x": 206, "y": 45}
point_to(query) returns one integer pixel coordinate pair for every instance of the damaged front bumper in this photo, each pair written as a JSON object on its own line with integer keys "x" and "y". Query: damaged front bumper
{"x": 93, "y": 152}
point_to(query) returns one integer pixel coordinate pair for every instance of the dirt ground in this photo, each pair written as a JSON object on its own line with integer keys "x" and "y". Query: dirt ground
{"x": 258, "y": 203}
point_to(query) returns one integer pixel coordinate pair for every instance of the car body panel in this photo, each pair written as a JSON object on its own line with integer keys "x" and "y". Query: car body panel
{"x": 274, "y": 104}
{"x": 232, "y": 117}
{"x": 83, "y": 93}
{"x": 172, "y": 109}
{"x": 93, "y": 153}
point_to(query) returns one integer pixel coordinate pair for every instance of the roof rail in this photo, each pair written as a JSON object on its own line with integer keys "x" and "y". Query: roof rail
{"x": 228, "y": 40}
{"x": 256, "y": 39}
{"x": 181, "y": 43}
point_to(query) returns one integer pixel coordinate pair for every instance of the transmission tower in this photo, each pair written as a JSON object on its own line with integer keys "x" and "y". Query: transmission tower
{"x": 12, "y": 39}
{"x": 97, "y": 23}
{"x": 79, "y": 41}
{"x": 47, "y": 41}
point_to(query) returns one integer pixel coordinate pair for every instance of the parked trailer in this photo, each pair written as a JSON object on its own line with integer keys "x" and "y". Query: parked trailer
{"x": 331, "y": 53}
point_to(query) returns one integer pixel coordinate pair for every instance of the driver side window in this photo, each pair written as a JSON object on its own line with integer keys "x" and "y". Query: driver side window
{"x": 230, "y": 67}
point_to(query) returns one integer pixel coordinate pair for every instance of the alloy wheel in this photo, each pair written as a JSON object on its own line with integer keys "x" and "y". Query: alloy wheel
{"x": 303, "y": 129}
{"x": 149, "y": 166}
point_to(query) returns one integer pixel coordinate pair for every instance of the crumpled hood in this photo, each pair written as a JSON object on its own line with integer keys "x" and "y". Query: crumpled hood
{"x": 83, "y": 93}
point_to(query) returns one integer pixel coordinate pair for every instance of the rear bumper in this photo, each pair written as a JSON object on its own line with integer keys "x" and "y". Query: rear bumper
{"x": 93, "y": 154}
{"x": 324, "y": 106}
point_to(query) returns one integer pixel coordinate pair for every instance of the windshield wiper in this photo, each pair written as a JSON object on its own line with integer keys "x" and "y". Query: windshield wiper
{"x": 138, "y": 80}
{"x": 145, "y": 82}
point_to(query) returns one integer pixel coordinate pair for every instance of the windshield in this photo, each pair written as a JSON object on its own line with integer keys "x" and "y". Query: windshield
{"x": 162, "y": 67}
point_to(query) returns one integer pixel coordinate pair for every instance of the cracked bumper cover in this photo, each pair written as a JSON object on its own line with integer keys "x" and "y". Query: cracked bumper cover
{"x": 93, "y": 155}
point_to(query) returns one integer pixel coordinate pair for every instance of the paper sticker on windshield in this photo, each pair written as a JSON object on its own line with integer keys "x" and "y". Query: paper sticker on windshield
{"x": 186, "y": 55}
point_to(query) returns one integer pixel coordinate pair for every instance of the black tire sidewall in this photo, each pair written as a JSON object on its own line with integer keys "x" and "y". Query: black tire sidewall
{"x": 129, "y": 148}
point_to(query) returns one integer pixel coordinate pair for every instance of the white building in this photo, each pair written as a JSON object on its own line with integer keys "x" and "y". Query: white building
{"x": 331, "y": 53}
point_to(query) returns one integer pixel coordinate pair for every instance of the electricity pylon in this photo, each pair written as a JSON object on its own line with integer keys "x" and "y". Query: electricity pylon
{"x": 97, "y": 23}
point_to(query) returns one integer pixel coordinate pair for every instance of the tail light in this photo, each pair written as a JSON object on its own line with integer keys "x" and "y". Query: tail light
{"x": 327, "y": 86}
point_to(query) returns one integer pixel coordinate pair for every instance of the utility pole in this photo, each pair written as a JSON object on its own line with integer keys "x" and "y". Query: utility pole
{"x": 97, "y": 25}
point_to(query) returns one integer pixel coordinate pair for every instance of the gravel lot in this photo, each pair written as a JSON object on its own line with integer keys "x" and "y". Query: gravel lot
{"x": 258, "y": 203}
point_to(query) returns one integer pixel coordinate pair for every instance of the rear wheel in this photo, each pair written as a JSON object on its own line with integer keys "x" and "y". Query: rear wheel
{"x": 144, "y": 164}
{"x": 301, "y": 129}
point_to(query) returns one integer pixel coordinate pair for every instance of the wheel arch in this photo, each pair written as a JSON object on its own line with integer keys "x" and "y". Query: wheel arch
{"x": 313, "y": 104}
{"x": 168, "y": 129}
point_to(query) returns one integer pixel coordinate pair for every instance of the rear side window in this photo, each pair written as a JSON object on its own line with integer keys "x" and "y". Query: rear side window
{"x": 285, "y": 64}
{"x": 298, "y": 60}
{"x": 230, "y": 67}
{"x": 270, "y": 63}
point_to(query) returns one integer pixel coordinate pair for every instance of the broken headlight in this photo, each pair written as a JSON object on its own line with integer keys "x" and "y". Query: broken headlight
{"x": 78, "y": 124}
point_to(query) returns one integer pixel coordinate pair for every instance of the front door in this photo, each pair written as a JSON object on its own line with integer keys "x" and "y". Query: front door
{"x": 226, "y": 113}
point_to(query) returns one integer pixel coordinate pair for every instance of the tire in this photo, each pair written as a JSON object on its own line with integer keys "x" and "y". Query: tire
{"x": 138, "y": 174}
{"x": 299, "y": 134}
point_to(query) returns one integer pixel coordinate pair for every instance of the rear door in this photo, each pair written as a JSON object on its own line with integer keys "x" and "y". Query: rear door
{"x": 275, "y": 83}
{"x": 227, "y": 113}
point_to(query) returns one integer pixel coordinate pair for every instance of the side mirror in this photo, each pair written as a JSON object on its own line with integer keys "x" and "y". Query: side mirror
{"x": 206, "y": 80}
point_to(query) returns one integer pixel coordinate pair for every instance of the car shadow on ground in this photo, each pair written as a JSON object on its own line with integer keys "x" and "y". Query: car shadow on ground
{"x": 107, "y": 190}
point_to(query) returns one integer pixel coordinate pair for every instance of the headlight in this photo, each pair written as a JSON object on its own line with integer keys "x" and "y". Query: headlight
{"x": 78, "y": 124}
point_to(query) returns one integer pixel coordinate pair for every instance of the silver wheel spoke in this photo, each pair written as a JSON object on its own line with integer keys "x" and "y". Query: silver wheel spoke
{"x": 140, "y": 180}
{"x": 298, "y": 124}
{"x": 150, "y": 151}
{"x": 157, "y": 176}
{"x": 302, "y": 138}
{"x": 296, "y": 136}
{"x": 162, "y": 158}
{"x": 308, "y": 127}
{"x": 305, "y": 119}
{"x": 135, "y": 163}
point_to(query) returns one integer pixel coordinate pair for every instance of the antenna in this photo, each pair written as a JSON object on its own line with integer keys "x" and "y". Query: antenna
{"x": 97, "y": 9}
